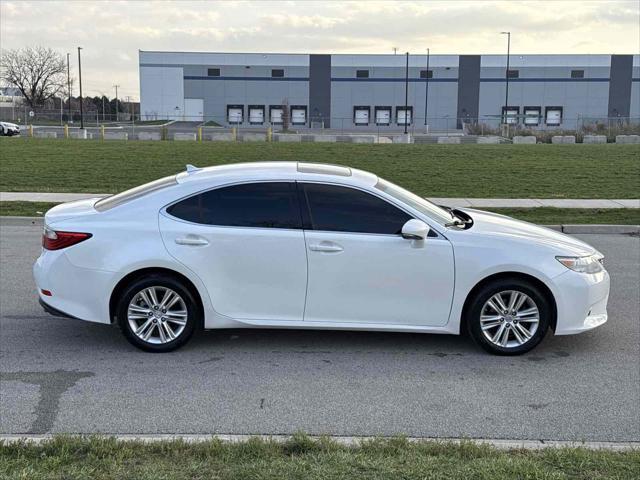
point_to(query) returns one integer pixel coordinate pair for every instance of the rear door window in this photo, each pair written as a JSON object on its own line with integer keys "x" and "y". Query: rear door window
{"x": 257, "y": 205}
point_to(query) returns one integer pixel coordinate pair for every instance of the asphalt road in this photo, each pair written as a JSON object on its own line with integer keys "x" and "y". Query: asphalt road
{"x": 59, "y": 375}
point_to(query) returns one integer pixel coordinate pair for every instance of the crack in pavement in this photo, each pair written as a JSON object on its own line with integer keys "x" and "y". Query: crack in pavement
{"x": 52, "y": 386}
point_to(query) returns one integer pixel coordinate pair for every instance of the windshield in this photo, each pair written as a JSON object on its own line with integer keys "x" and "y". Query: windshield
{"x": 423, "y": 206}
{"x": 136, "y": 192}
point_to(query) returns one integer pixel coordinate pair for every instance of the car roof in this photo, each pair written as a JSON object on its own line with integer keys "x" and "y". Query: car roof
{"x": 281, "y": 170}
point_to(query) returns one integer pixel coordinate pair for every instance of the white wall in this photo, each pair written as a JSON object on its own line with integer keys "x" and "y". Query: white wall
{"x": 161, "y": 93}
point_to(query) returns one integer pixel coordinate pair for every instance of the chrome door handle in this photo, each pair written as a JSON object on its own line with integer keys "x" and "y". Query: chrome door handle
{"x": 191, "y": 241}
{"x": 325, "y": 247}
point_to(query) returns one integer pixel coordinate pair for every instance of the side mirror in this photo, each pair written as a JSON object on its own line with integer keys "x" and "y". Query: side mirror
{"x": 415, "y": 230}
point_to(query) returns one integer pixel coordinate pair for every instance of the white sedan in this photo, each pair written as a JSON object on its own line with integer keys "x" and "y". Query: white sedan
{"x": 298, "y": 245}
{"x": 9, "y": 129}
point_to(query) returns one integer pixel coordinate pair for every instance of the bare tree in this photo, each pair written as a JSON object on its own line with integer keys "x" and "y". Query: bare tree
{"x": 285, "y": 114}
{"x": 38, "y": 72}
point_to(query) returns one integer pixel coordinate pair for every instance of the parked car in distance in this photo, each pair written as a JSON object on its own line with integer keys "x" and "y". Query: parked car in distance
{"x": 311, "y": 246}
{"x": 9, "y": 129}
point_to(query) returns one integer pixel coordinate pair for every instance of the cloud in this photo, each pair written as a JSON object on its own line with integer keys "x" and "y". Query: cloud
{"x": 112, "y": 32}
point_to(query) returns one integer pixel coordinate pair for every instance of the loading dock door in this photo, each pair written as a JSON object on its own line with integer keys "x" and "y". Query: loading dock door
{"x": 361, "y": 116}
{"x": 234, "y": 114}
{"x": 298, "y": 115}
{"x": 256, "y": 115}
{"x": 383, "y": 116}
{"x": 554, "y": 116}
{"x": 276, "y": 115}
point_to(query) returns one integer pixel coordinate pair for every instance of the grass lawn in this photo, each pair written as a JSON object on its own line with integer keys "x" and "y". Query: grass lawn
{"x": 490, "y": 171}
{"x": 542, "y": 215}
{"x": 304, "y": 458}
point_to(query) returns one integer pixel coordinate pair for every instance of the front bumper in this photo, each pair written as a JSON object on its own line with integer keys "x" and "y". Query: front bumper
{"x": 581, "y": 301}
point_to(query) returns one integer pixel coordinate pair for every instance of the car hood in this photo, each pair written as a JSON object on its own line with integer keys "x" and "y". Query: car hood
{"x": 8, "y": 124}
{"x": 493, "y": 224}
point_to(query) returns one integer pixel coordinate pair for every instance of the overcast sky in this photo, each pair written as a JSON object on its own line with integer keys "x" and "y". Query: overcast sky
{"x": 112, "y": 32}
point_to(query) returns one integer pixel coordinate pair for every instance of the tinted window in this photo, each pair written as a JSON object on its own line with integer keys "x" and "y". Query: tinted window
{"x": 362, "y": 73}
{"x": 577, "y": 73}
{"x": 264, "y": 205}
{"x": 277, "y": 72}
{"x": 426, "y": 73}
{"x": 343, "y": 209}
{"x": 513, "y": 73}
{"x": 213, "y": 72}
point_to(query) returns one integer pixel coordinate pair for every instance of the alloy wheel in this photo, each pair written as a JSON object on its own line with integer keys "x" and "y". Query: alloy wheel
{"x": 509, "y": 319}
{"x": 157, "y": 315}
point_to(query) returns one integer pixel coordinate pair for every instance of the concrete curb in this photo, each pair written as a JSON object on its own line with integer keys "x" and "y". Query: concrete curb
{"x": 501, "y": 444}
{"x": 9, "y": 221}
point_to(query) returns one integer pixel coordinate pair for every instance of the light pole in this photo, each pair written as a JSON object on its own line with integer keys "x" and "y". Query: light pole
{"x": 117, "y": 116}
{"x": 406, "y": 93}
{"x": 506, "y": 92}
{"x": 80, "y": 81}
{"x": 69, "y": 87}
{"x": 426, "y": 91}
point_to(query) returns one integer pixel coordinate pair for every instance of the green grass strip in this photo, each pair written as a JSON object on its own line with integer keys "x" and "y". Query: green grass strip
{"x": 304, "y": 458}
{"x": 480, "y": 171}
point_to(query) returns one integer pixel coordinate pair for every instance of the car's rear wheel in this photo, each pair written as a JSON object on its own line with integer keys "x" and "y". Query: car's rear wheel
{"x": 509, "y": 316}
{"x": 157, "y": 313}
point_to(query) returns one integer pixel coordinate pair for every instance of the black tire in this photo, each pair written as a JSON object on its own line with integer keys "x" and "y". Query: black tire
{"x": 486, "y": 292}
{"x": 163, "y": 282}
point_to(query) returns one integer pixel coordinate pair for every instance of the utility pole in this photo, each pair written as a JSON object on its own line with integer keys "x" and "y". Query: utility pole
{"x": 426, "y": 91}
{"x": 80, "y": 81}
{"x": 117, "y": 116}
{"x": 395, "y": 50}
{"x": 506, "y": 93}
{"x": 70, "y": 119}
{"x": 406, "y": 94}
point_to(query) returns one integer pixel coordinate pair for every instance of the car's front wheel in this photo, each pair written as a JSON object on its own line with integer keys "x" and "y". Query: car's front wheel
{"x": 509, "y": 316}
{"x": 157, "y": 313}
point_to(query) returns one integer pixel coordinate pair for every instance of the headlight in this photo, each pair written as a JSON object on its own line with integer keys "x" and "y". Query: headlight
{"x": 589, "y": 264}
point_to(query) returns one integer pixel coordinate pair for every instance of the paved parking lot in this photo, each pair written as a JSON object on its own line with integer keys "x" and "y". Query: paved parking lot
{"x": 59, "y": 375}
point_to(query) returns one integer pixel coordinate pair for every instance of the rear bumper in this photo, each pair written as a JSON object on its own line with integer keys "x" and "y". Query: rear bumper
{"x": 77, "y": 292}
{"x": 54, "y": 311}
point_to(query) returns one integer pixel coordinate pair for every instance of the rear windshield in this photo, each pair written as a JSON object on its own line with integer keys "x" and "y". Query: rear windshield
{"x": 136, "y": 192}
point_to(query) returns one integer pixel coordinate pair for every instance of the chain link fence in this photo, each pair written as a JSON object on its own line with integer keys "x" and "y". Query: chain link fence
{"x": 380, "y": 126}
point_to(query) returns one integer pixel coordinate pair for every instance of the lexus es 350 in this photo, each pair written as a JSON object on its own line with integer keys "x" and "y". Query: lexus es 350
{"x": 298, "y": 245}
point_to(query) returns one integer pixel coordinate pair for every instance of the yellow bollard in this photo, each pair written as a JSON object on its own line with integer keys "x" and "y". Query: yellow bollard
{"x": 199, "y": 134}
{"x": 234, "y": 134}
{"x": 66, "y": 130}
{"x": 269, "y": 134}
{"x": 101, "y": 132}
{"x": 30, "y": 130}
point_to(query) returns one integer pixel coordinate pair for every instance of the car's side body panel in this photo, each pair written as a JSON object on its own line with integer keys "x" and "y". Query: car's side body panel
{"x": 379, "y": 279}
{"x": 250, "y": 273}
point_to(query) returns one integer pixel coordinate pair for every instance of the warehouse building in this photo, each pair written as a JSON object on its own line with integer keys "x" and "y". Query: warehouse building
{"x": 360, "y": 91}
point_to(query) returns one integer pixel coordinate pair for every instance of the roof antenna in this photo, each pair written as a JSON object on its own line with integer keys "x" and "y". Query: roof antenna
{"x": 191, "y": 168}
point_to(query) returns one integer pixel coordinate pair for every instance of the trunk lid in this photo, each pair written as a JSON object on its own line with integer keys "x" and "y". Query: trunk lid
{"x": 69, "y": 210}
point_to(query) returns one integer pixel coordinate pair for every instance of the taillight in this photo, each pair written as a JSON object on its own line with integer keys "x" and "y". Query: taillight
{"x": 53, "y": 240}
